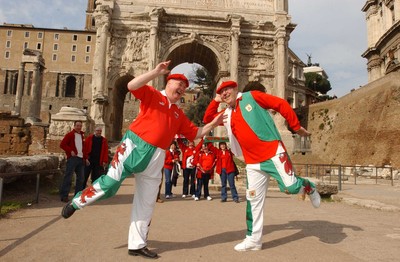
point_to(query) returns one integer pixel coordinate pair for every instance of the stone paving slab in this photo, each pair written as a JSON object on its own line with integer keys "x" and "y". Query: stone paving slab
{"x": 187, "y": 230}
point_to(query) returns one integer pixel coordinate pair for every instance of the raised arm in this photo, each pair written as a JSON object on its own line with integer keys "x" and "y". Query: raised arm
{"x": 204, "y": 130}
{"x": 212, "y": 109}
{"x": 141, "y": 80}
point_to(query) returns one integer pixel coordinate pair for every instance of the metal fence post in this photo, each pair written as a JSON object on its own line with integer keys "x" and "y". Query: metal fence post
{"x": 37, "y": 187}
{"x": 1, "y": 192}
{"x": 391, "y": 175}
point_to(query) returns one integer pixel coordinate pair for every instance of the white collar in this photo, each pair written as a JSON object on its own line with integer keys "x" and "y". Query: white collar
{"x": 239, "y": 95}
{"x": 165, "y": 94}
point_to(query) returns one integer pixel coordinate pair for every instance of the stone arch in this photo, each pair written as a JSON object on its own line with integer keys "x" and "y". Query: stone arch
{"x": 226, "y": 37}
{"x": 203, "y": 53}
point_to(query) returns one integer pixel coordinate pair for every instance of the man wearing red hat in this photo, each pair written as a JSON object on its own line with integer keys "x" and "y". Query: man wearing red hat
{"x": 253, "y": 135}
{"x": 142, "y": 152}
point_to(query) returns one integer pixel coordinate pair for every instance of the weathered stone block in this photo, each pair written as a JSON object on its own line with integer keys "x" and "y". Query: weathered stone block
{"x": 327, "y": 190}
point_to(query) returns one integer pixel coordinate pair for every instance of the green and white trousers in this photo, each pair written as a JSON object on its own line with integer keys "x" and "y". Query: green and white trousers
{"x": 133, "y": 156}
{"x": 280, "y": 168}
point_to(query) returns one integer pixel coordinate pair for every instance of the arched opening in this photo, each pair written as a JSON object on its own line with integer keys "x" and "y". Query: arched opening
{"x": 120, "y": 95}
{"x": 254, "y": 85}
{"x": 70, "y": 87}
{"x": 201, "y": 66}
{"x": 195, "y": 53}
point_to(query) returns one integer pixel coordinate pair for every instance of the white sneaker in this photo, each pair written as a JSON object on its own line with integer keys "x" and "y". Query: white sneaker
{"x": 196, "y": 199}
{"x": 183, "y": 196}
{"x": 193, "y": 196}
{"x": 209, "y": 198}
{"x": 315, "y": 198}
{"x": 247, "y": 245}
{"x": 167, "y": 196}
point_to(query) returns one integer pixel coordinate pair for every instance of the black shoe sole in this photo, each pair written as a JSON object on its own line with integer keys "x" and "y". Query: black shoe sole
{"x": 68, "y": 210}
{"x": 141, "y": 254}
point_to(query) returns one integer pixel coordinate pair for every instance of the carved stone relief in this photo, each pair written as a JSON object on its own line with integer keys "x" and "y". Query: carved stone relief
{"x": 136, "y": 46}
{"x": 62, "y": 122}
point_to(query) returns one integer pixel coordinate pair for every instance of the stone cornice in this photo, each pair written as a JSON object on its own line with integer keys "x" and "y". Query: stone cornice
{"x": 385, "y": 38}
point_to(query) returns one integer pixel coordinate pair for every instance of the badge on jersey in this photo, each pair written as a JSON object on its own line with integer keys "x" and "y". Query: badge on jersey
{"x": 248, "y": 107}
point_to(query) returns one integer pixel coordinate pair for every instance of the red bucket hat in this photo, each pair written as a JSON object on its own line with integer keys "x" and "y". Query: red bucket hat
{"x": 179, "y": 77}
{"x": 226, "y": 84}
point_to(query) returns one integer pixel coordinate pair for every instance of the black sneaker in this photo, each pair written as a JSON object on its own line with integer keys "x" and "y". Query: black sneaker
{"x": 68, "y": 210}
{"x": 144, "y": 252}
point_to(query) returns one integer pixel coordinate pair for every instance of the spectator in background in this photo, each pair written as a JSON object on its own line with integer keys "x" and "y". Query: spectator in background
{"x": 96, "y": 148}
{"x": 227, "y": 170}
{"x": 171, "y": 157}
{"x": 188, "y": 166}
{"x": 205, "y": 164}
{"x": 73, "y": 145}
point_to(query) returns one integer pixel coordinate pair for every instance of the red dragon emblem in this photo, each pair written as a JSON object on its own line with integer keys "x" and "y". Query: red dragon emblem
{"x": 89, "y": 192}
{"x": 120, "y": 150}
{"x": 287, "y": 164}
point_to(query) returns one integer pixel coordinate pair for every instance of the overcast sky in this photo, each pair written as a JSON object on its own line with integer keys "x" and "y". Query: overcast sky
{"x": 333, "y": 32}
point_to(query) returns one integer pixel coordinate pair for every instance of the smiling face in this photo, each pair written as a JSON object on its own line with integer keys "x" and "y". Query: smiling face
{"x": 228, "y": 95}
{"x": 78, "y": 126}
{"x": 175, "y": 89}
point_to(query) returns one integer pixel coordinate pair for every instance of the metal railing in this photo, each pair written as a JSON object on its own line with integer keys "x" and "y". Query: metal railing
{"x": 26, "y": 173}
{"x": 343, "y": 174}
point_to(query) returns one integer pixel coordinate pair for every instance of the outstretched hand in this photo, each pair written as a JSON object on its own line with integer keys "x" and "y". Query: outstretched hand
{"x": 303, "y": 132}
{"x": 162, "y": 67}
{"x": 219, "y": 119}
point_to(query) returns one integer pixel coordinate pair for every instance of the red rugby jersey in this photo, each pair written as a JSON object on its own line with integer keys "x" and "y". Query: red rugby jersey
{"x": 158, "y": 120}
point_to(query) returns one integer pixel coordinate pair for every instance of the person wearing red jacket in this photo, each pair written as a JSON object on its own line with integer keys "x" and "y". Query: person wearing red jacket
{"x": 73, "y": 145}
{"x": 205, "y": 164}
{"x": 188, "y": 166}
{"x": 171, "y": 158}
{"x": 96, "y": 148}
{"x": 226, "y": 168}
{"x": 253, "y": 134}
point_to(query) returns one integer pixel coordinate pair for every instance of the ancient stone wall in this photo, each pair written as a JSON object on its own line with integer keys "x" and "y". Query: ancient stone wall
{"x": 15, "y": 135}
{"x": 361, "y": 128}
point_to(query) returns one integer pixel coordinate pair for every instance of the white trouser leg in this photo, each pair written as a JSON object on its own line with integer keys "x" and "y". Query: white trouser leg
{"x": 257, "y": 188}
{"x": 146, "y": 189}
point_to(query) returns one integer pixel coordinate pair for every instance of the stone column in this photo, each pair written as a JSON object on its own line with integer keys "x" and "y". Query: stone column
{"x": 155, "y": 14}
{"x": 295, "y": 102}
{"x": 281, "y": 78}
{"x": 281, "y": 5}
{"x": 27, "y": 90}
{"x": 99, "y": 74}
{"x": 63, "y": 81}
{"x": 20, "y": 89}
{"x": 281, "y": 65}
{"x": 234, "y": 60}
{"x": 10, "y": 76}
{"x": 36, "y": 99}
